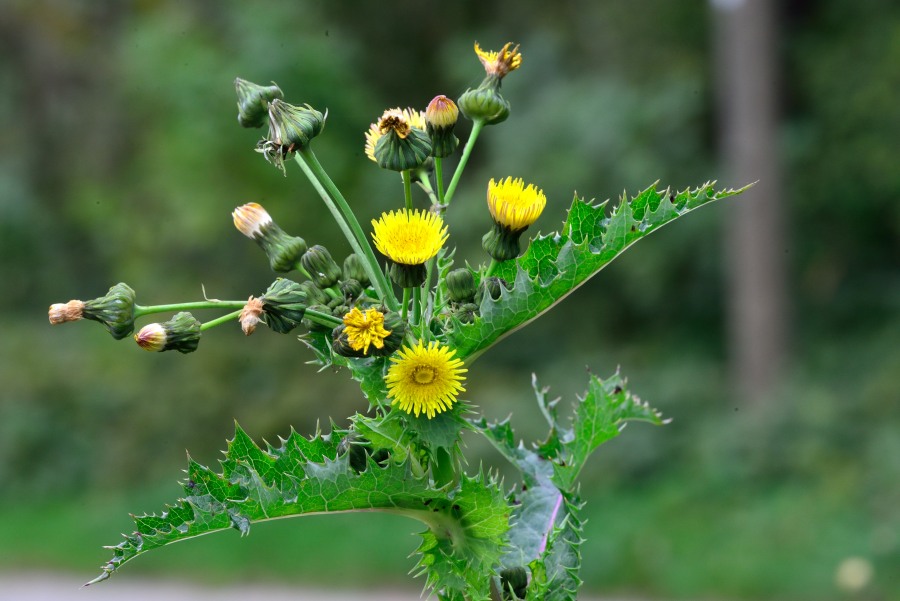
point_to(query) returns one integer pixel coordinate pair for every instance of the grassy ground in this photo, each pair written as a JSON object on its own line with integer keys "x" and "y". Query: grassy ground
{"x": 669, "y": 539}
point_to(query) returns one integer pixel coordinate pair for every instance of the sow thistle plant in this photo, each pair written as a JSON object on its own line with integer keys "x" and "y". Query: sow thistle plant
{"x": 408, "y": 327}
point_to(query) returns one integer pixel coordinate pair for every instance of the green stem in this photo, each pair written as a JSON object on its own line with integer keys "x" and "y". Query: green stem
{"x": 425, "y": 184}
{"x": 323, "y": 318}
{"x": 140, "y": 311}
{"x": 417, "y": 307}
{"x": 439, "y": 180}
{"x": 347, "y": 221}
{"x": 405, "y": 308}
{"x": 470, "y": 143}
{"x": 220, "y": 320}
{"x": 407, "y": 189}
{"x": 491, "y": 268}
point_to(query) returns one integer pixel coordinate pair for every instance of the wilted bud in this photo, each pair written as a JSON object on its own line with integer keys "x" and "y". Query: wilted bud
{"x": 461, "y": 285}
{"x": 284, "y": 304}
{"x": 290, "y": 128}
{"x": 250, "y": 315}
{"x": 440, "y": 119}
{"x": 253, "y": 101}
{"x": 485, "y": 103}
{"x": 63, "y": 312}
{"x": 401, "y": 146}
{"x": 181, "y": 333}
{"x": 355, "y": 269}
{"x": 283, "y": 250}
{"x": 321, "y": 267}
{"x": 115, "y": 310}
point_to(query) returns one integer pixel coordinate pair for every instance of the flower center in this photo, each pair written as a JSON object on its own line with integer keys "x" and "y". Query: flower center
{"x": 424, "y": 374}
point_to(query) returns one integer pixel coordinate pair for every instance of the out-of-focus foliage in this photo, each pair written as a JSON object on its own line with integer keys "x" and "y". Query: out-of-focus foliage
{"x": 121, "y": 159}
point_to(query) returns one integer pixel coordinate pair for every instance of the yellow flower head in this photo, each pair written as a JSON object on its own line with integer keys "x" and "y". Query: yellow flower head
{"x": 397, "y": 119}
{"x": 514, "y": 205}
{"x": 498, "y": 64}
{"x": 409, "y": 237}
{"x": 365, "y": 329}
{"x": 425, "y": 379}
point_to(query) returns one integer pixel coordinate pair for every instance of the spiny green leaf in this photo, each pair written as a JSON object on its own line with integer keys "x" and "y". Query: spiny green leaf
{"x": 545, "y": 532}
{"x": 467, "y": 522}
{"x": 555, "y": 265}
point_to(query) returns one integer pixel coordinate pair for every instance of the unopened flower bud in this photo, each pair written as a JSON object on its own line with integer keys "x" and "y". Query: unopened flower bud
{"x": 115, "y": 310}
{"x": 284, "y": 304}
{"x": 461, "y": 285}
{"x": 355, "y": 269}
{"x": 514, "y": 583}
{"x": 484, "y": 104}
{"x": 401, "y": 146}
{"x": 181, "y": 333}
{"x": 440, "y": 119}
{"x": 250, "y": 315}
{"x": 491, "y": 287}
{"x": 351, "y": 289}
{"x": 314, "y": 294}
{"x": 253, "y": 101}
{"x": 321, "y": 267}
{"x": 282, "y": 249}
{"x": 465, "y": 312}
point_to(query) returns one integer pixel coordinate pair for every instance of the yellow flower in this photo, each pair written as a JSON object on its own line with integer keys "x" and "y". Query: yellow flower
{"x": 399, "y": 119}
{"x": 365, "y": 329}
{"x": 425, "y": 379}
{"x": 514, "y": 205}
{"x": 409, "y": 237}
{"x": 500, "y": 63}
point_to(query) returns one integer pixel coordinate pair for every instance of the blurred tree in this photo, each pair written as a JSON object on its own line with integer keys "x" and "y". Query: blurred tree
{"x": 747, "y": 53}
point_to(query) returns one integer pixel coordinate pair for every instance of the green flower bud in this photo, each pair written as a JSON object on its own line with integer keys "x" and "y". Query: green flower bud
{"x": 461, "y": 285}
{"x": 408, "y": 276}
{"x": 282, "y": 249}
{"x": 355, "y": 269}
{"x": 351, "y": 289}
{"x": 181, "y": 333}
{"x": 492, "y": 286}
{"x": 440, "y": 119}
{"x": 514, "y": 583}
{"x": 465, "y": 312}
{"x": 321, "y": 267}
{"x": 284, "y": 304}
{"x": 314, "y": 294}
{"x": 484, "y": 103}
{"x": 401, "y": 146}
{"x": 115, "y": 310}
{"x": 253, "y": 101}
{"x": 502, "y": 243}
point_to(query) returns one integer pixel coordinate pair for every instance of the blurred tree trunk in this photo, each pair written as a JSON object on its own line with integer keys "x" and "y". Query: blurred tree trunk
{"x": 746, "y": 51}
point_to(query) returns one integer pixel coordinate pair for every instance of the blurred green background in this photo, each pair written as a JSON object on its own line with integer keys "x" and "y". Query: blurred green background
{"x": 121, "y": 160}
